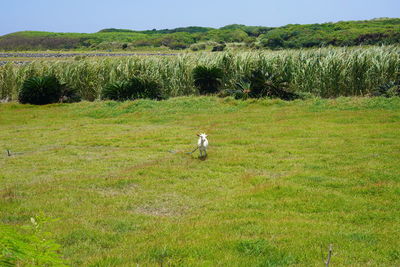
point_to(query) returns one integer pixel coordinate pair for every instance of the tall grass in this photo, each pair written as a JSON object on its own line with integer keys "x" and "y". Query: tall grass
{"x": 326, "y": 72}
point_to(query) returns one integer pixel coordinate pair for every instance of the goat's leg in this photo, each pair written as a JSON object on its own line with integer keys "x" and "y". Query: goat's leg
{"x": 201, "y": 153}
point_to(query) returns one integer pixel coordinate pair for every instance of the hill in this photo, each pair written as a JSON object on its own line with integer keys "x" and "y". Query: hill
{"x": 114, "y": 186}
{"x": 345, "y": 33}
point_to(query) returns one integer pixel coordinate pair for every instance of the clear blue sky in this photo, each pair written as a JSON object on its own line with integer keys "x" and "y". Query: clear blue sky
{"x": 93, "y": 15}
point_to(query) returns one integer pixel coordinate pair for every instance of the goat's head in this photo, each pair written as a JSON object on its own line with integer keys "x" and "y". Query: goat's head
{"x": 202, "y": 136}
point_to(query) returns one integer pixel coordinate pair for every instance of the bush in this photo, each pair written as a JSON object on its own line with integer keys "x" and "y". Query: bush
{"x": 46, "y": 90}
{"x": 40, "y": 90}
{"x": 207, "y": 79}
{"x": 197, "y": 47}
{"x": 144, "y": 88}
{"x": 116, "y": 91}
{"x": 77, "y": 58}
{"x": 177, "y": 45}
{"x": 388, "y": 89}
{"x": 69, "y": 95}
{"x": 241, "y": 92}
{"x": 133, "y": 89}
{"x": 218, "y": 48}
{"x": 267, "y": 84}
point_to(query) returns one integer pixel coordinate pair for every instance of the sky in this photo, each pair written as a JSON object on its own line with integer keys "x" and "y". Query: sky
{"x": 94, "y": 15}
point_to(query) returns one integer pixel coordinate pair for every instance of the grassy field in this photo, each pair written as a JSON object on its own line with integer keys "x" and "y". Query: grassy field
{"x": 282, "y": 181}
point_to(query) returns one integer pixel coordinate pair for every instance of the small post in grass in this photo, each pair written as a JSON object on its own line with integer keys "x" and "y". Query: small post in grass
{"x": 8, "y": 152}
{"x": 329, "y": 256}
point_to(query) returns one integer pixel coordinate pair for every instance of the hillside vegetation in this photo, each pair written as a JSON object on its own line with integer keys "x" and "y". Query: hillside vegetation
{"x": 282, "y": 181}
{"x": 344, "y": 33}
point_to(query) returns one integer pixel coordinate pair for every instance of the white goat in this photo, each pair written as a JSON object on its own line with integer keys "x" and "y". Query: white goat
{"x": 202, "y": 144}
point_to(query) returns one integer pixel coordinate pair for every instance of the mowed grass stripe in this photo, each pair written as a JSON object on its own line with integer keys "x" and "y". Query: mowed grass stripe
{"x": 282, "y": 179}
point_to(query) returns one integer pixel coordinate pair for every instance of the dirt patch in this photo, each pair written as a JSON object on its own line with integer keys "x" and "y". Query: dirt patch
{"x": 9, "y": 193}
{"x": 111, "y": 191}
{"x": 171, "y": 205}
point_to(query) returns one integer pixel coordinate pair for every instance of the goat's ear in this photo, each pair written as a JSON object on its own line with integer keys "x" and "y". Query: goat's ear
{"x": 197, "y": 134}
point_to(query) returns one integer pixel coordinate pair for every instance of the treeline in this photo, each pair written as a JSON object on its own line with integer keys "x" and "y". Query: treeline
{"x": 39, "y": 43}
{"x": 191, "y": 29}
{"x": 347, "y": 33}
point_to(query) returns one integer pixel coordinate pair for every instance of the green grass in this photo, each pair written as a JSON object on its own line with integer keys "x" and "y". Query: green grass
{"x": 282, "y": 180}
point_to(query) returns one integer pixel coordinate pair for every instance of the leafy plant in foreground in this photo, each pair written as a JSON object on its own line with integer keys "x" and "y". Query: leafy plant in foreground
{"x": 28, "y": 247}
{"x": 207, "y": 79}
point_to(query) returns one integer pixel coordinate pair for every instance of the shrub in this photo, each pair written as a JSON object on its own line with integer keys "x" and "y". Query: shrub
{"x": 46, "y": 90}
{"x": 116, "y": 91}
{"x": 77, "y": 58}
{"x": 218, "y": 48}
{"x": 197, "y": 47}
{"x": 145, "y": 88}
{"x": 177, "y": 45}
{"x": 40, "y": 90}
{"x": 133, "y": 89}
{"x": 267, "y": 84}
{"x": 236, "y": 93}
{"x": 207, "y": 79}
{"x": 388, "y": 89}
{"x": 241, "y": 92}
{"x": 69, "y": 95}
